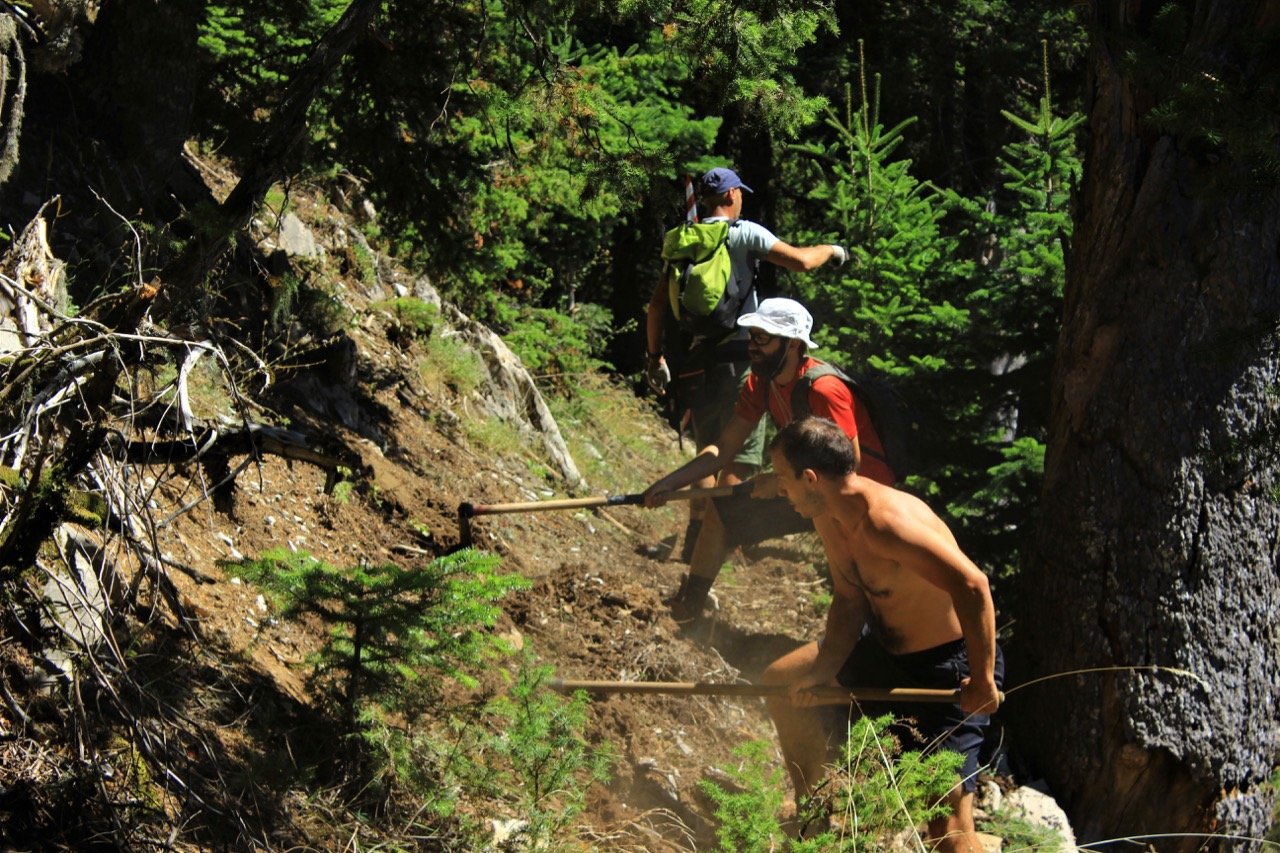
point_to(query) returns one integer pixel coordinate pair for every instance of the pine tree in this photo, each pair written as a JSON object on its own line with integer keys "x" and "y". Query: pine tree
{"x": 1019, "y": 237}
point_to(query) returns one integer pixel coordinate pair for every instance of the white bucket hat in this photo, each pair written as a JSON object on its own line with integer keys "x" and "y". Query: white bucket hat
{"x": 785, "y": 318}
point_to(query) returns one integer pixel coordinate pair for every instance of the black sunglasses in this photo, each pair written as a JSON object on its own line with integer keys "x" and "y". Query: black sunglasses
{"x": 759, "y": 338}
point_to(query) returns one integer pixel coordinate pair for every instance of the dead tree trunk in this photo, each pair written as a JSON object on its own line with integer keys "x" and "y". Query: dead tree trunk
{"x": 1161, "y": 505}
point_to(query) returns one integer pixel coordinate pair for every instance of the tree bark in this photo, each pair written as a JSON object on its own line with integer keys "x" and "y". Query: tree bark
{"x": 1160, "y": 525}
{"x": 13, "y": 94}
{"x": 275, "y": 152}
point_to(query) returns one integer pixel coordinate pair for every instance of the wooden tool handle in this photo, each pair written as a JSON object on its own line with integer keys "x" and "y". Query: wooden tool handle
{"x": 702, "y": 688}
{"x": 469, "y": 510}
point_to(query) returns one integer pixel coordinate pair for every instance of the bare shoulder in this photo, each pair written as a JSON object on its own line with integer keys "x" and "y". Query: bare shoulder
{"x": 897, "y": 514}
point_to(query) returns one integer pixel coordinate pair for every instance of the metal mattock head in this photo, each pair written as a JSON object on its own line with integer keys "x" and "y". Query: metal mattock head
{"x": 465, "y": 511}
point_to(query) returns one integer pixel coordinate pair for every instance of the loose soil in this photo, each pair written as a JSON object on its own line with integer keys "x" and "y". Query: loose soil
{"x": 598, "y": 577}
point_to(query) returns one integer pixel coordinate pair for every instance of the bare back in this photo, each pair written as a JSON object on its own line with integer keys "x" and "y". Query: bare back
{"x": 885, "y": 544}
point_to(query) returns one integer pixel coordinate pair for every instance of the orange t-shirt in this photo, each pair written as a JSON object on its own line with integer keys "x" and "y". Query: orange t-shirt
{"x": 830, "y": 398}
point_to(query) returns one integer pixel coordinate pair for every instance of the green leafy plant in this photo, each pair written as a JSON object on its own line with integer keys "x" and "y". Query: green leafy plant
{"x": 876, "y": 791}
{"x": 249, "y": 51}
{"x": 390, "y": 626}
{"x": 955, "y": 298}
{"x": 1019, "y": 235}
{"x": 342, "y": 492}
{"x": 748, "y": 809}
{"x": 560, "y": 348}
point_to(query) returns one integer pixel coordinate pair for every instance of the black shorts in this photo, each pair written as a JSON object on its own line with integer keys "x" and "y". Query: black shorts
{"x": 925, "y": 726}
{"x": 749, "y": 520}
{"x": 711, "y": 395}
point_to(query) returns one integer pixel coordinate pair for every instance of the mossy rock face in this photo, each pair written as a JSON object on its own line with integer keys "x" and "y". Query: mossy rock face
{"x": 87, "y": 508}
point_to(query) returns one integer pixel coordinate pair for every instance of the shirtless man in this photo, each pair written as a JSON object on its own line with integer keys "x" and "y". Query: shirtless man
{"x": 909, "y": 610}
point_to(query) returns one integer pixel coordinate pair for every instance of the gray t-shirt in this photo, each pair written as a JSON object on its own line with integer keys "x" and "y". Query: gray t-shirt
{"x": 748, "y": 242}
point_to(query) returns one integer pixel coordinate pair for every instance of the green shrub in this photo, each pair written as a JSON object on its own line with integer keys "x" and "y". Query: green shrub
{"x": 878, "y": 789}
{"x": 390, "y": 628}
{"x": 524, "y": 754}
{"x": 560, "y": 349}
{"x": 539, "y": 758}
{"x": 885, "y": 789}
{"x": 749, "y": 815}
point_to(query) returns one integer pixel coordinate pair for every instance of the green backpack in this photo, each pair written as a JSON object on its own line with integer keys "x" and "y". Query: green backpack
{"x": 703, "y": 293}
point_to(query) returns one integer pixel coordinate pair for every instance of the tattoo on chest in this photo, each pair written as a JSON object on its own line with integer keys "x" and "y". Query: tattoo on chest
{"x": 853, "y": 575}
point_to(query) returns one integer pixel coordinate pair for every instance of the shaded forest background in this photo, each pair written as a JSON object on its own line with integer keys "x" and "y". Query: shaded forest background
{"x": 529, "y": 158}
{"x": 526, "y": 157}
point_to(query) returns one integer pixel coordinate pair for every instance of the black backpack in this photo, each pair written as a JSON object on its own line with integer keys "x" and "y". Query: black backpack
{"x": 896, "y": 421}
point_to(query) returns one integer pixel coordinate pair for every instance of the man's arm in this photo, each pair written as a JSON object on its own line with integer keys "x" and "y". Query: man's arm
{"x": 656, "y": 371}
{"x": 802, "y": 258}
{"x": 922, "y": 549}
{"x": 656, "y": 316}
{"x": 845, "y": 621}
{"x": 708, "y": 462}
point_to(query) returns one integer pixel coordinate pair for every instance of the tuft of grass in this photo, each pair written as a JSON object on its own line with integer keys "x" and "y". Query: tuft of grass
{"x": 1019, "y": 834}
{"x": 820, "y": 600}
{"x": 600, "y": 428}
{"x": 495, "y": 436}
{"x": 206, "y": 387}
{"x": 413, "y": 318}
{"x": 451, "y": 364}
{"x": 275, "y": 203}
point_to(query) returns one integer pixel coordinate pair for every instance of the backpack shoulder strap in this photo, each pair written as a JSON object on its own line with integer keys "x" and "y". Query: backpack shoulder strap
{"x": 800, "y": 391}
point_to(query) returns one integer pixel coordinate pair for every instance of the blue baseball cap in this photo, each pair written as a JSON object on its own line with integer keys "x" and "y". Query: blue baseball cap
{"x": 720, "y": 180}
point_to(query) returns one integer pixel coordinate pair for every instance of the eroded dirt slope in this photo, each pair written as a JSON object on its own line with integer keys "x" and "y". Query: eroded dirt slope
{"x": 594, "y": 610}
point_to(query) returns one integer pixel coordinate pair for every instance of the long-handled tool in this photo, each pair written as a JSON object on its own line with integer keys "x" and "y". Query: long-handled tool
{"x": 704, "y": 688}
{"x": 468, "y": 511}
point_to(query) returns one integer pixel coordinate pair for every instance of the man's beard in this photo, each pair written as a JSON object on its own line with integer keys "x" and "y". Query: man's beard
{"x": 767, "y": 367}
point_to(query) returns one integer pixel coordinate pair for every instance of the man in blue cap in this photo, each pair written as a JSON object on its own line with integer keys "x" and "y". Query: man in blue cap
{"x": 709, "y": 372}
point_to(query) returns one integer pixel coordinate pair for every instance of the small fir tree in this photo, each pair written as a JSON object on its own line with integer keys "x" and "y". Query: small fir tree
{"x": 1019, "y": 238}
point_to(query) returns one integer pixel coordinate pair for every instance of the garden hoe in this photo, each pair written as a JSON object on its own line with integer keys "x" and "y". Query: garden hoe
{"x": 468, "y": 511}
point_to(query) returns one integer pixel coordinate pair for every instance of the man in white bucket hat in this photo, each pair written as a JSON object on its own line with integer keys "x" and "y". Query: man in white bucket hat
{"x": 700, "y": 371}
{"x": 778, "y": 347}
